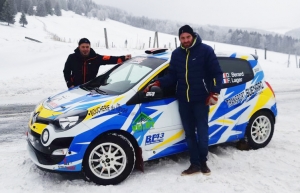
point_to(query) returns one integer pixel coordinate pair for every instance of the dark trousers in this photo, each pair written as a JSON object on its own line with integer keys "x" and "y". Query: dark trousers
{"x": 194, "y": 118}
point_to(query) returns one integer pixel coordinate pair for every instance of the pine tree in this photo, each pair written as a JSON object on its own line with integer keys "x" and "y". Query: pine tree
{"x": 41, "y": 10}
{"x": 7, "y": 13}
{"x": 30, "y": 10}
{"x": 71, "y": 5}
{"x": 23, "y": 19}
{"x": 63, "y": 4}
{"x": 57, "y": 9}
{"x": 25, "y": 5}
{"x": 48, "y": 7}
{"x": 19, "y": 5}
{"x": 1, "y": 7}
{"x": 14, "y": 5}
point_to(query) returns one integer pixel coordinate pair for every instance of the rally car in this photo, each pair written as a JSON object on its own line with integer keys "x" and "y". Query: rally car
{"x": 106, "y": 127}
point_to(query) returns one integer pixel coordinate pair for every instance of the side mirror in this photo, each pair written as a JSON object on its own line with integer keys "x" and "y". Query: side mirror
{"x": 155, "y": 92}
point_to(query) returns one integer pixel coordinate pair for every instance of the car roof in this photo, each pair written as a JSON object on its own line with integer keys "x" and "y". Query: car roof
{"x": 166, "y": 55}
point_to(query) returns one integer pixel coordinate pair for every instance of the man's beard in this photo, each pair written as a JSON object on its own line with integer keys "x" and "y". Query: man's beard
{"x": 85, "y": 55}
{"x": 187, "y": 44}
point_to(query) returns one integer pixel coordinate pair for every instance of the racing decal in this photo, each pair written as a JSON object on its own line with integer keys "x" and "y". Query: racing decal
{"x": 142, "y": 121}
{"x": 239, "y": 98}
{"x": 110, "y": 105}
{"x": 233, "y": 77}
{"x": 150, "y": 94}
{"x": 245, "y": 94}
{"x": 155, "y": 138}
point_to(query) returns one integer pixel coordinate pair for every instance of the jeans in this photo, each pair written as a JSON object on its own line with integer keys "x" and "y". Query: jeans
{"x": 194, "y": 117}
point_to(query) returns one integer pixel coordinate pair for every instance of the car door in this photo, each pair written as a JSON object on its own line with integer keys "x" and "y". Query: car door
{"x": 161, "y": 123}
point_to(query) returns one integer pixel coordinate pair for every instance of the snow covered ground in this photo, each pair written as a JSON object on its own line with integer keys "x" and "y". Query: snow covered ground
{"x": 31, "y": 71}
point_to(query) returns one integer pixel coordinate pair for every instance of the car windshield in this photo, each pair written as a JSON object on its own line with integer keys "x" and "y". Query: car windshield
{"x": 123, "y": 77}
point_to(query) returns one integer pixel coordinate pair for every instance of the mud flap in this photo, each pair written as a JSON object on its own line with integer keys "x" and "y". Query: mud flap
{"x": 139, "y": 164}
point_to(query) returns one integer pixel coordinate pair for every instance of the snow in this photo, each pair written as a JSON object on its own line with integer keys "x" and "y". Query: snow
{"x": 31, "y": 71}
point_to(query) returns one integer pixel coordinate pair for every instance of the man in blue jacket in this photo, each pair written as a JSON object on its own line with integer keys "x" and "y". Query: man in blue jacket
{"x": 196, "y": 71}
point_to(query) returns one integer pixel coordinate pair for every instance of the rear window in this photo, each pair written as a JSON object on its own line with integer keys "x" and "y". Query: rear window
{"x": 236, "y": 71}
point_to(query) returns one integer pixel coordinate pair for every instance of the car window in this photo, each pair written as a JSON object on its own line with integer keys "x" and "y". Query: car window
{"x": 235, "y": 71}
{"x": 129, "y": 74}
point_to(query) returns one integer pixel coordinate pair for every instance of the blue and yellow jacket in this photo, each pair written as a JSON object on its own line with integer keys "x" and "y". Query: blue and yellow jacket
{"x": 195, "y": 70}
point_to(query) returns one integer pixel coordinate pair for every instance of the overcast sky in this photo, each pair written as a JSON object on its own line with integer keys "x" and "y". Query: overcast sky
{"x": 274, "y": 15}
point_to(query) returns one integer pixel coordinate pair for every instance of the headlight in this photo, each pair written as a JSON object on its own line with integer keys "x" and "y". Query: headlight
{"x": 45, "y": 136}
{"x": 68, "y": 122}
{"x": 70, "y": 119}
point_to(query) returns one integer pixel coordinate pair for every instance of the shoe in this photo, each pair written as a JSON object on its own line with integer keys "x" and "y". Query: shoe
{"x": 204, "y": 169}
{"x": 193, "y": 169}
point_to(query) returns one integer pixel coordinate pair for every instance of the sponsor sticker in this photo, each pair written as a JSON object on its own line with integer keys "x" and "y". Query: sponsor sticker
{"x": 155, "y": 138}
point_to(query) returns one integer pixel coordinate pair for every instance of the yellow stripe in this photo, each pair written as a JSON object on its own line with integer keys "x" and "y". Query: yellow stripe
{"x": 228, "y": 121}
{"x": 118, "y": 99}
{"x": 38, "y": 127}
{"x": 173, "y": 138}
{"x": 45, "y": 113}
{"x": 245, "y": 57}
{"x": 186, "y": 76}
{"x": 215, "y": 83}
{"x": 151, "y": 77}
{"x": 262, "y": 100}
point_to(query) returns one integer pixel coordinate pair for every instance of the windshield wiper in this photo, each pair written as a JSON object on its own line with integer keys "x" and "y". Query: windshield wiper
{"x": 100, "y": 91}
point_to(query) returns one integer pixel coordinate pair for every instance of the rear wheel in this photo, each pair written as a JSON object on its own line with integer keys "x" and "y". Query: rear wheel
{"x": 109, "y": 160}
{"x": 260, "y": 129}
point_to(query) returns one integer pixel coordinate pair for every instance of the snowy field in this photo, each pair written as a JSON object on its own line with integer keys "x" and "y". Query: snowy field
{"x": 31, "y": 71}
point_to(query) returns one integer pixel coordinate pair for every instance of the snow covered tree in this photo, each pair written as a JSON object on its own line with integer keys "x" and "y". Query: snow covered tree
{"x": 25, "y": 6}
{"x": 7, "y": 13}
{"x": 41, "y": 10}
{"x": 71, "y": 4}
{"x": 57, "y": 9}
{"x": 63, "y": 5}
{"x": 48, "y": 7}
{"x": 30, "y": 10}
{"x": 19, "y": 5}
{"x": 23, "y": 19}
{"x": 15, "y": 9}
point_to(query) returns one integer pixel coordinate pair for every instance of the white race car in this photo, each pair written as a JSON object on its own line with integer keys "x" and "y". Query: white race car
{"x": 108, "y": 126}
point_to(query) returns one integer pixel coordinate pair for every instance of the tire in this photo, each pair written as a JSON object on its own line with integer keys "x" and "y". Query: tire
{"x": 260, "y": 130}
{"x": 109, "y": 160}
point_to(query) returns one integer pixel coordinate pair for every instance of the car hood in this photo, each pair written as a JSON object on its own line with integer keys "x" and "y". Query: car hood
{"x": 75, "y": 98}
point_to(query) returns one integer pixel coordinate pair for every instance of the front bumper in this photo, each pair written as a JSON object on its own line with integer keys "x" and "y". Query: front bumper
{"x": 42, "y": 156}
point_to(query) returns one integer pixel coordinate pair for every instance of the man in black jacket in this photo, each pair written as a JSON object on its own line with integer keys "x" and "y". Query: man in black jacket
{"x": 83, "y": 65}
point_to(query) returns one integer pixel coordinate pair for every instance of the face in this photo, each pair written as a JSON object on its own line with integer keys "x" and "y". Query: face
{"x": 186, "y": 40}
{"x": 84, "y": 49}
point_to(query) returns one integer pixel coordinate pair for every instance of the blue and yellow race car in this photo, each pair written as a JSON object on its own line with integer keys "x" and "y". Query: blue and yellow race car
{"x": 108, "y": 126}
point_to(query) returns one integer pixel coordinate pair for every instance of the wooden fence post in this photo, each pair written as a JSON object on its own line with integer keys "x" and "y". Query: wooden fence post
{"x": 265, "y": 53}
{"x": 106, "y": 41}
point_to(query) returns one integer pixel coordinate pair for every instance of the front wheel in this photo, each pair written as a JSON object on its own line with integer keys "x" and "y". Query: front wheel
{"x": 109, "y": 160}
{"x": 260, "y": 129}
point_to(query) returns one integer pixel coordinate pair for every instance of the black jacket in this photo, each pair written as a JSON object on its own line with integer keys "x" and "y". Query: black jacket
{"x": 79, "y": 70}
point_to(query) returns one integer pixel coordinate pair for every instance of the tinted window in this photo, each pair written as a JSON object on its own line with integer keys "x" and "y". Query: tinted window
{"x": 123, "y": 77}
{"x": 235, "y": 71}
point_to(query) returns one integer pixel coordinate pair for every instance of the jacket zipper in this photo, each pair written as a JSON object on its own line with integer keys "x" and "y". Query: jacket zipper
{"x": 84, "y": 68}
{"x": 205, "y": 85}
{"x": 186, "y": 75}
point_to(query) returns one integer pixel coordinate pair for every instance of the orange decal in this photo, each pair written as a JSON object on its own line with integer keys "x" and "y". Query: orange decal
{"x": 119, "y": 61}
{"x": 106, "y": 57}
